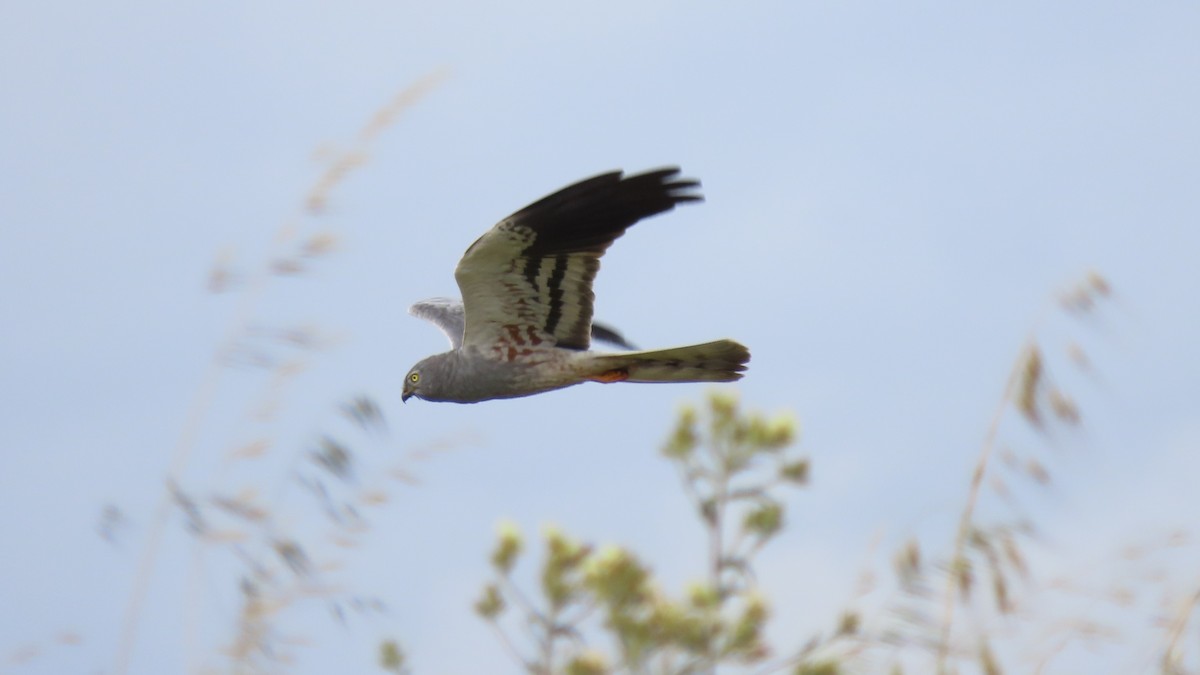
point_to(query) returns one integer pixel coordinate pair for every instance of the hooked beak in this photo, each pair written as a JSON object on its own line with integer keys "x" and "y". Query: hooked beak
{"x": 405, "y": 396}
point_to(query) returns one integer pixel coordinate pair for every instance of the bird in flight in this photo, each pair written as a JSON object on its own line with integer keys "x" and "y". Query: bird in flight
{"x": 525, "y": 323}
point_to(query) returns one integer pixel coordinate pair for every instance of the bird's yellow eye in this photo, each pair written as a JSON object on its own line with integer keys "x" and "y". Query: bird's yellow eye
{"x": 414, "y": 378}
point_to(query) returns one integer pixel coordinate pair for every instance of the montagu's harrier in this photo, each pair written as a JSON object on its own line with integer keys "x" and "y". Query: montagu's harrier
{"x": 526, "y": 318}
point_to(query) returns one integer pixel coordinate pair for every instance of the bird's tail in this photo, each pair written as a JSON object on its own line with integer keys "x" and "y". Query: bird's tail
{"x": 720, "y": 361}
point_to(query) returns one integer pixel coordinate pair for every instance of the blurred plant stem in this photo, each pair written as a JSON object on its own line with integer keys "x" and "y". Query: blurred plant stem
{"x": 732, "y": 468}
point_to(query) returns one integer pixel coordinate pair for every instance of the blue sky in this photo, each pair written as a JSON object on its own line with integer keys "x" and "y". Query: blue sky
{"x": 894, "y": 195}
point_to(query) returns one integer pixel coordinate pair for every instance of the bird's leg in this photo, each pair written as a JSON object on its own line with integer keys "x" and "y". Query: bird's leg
{"x": 609, "y": 376}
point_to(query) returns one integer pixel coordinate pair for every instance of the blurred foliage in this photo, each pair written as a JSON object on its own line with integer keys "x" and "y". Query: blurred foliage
{"x": 391, "y": 658}
{"x": 735, "y": 466}
{"x": 977, "y": 606}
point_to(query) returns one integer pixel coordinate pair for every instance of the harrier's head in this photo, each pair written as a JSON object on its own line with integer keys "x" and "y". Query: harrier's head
{"x": 427, "y": 379}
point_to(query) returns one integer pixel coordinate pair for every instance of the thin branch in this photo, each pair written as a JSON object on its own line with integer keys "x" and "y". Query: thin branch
{"x": 1177, "y": 626}
{"x": 509, "y": 646}
{"x": 966, "y": 520}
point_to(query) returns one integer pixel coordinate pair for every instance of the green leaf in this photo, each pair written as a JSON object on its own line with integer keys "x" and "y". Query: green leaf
{"x": 795, "y": 472}
{"x": 391, "y": 657}
{"x": 491, "y": 604}
{"x": 819, "y": 668}
{"x": 766, "y": 520}
{"x": 508, "y": 548}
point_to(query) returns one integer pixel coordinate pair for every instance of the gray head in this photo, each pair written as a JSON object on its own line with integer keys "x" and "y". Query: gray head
{"x": 430, "y": 378}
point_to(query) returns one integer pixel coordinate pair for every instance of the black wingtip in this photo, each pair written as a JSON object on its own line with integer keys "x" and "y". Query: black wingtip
{"x": 603, "y": 333}
{"x": 668, "y": 178}
{"x": 590, "y": 214}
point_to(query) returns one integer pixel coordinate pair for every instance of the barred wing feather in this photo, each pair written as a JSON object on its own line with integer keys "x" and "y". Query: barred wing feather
{"x": 528, "y": 280}
{"x": 447, "y": 314}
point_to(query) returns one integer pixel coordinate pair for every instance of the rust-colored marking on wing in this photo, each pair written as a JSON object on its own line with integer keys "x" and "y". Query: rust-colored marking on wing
{"x": 516, "y": 342}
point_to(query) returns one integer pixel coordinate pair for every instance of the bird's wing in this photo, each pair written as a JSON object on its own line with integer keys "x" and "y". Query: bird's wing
{"x": 528, "y": 281}
{"x": 445, "y": 313}
{"x": 602, "y": 332}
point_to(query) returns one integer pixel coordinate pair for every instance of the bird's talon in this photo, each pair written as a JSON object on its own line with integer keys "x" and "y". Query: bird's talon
{"x": 610, "y": 376}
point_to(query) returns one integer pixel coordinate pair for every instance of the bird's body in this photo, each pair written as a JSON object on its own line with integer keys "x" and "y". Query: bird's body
{"x": 525, "y": 323}
{"x": 544, "y": 370}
